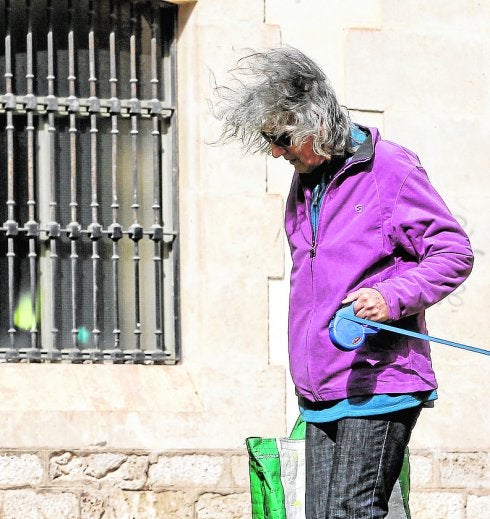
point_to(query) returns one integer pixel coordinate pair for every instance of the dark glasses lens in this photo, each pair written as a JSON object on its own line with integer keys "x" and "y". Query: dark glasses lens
{"x": 283, "y": 139}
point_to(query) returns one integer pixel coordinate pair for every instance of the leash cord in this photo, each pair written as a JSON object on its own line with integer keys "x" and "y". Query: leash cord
{"x": 417, "y": 335}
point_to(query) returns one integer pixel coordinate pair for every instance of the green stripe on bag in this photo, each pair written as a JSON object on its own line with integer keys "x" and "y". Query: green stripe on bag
{"x": 404, "y": 480}
{"x": 266, "y": 488}
{"x": 265, "y": 479}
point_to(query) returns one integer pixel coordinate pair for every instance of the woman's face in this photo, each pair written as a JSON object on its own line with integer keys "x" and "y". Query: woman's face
{"x": 303, "y": 157}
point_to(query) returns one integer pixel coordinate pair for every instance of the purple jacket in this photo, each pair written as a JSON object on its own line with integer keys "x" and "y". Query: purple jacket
{"x": 381, "y": 225}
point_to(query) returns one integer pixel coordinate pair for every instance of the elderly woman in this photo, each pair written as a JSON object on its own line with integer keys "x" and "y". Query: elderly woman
{"x": 365, "y": 226}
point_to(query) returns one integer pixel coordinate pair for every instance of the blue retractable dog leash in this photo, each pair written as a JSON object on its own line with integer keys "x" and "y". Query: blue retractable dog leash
{"x": 349, "y": 332}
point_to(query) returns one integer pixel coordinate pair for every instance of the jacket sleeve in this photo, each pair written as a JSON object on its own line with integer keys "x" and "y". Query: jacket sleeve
{"x": 422, "y": 226}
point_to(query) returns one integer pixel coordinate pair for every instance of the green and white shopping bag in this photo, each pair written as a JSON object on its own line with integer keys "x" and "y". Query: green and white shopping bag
{"x": 277, "y": 475}
{"x": 277, "y": 478}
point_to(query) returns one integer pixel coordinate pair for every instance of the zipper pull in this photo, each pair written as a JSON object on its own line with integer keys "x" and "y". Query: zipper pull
{"x": 313, "y": 249}
{"x": 316, "y": 193}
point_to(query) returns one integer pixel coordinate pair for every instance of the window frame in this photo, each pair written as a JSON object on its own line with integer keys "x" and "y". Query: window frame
{"x": 45, "y": 234}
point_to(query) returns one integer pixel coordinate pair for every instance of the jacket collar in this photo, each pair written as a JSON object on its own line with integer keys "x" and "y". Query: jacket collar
{"x": 330, "y": 170}
{"x": 366, "y": 149}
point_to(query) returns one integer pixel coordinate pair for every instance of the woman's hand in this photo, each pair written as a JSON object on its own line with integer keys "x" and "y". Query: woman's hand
{"x": 369, "y": 304}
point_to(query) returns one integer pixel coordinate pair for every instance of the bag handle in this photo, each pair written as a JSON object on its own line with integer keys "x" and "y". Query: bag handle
{"x": 299, "y": 430}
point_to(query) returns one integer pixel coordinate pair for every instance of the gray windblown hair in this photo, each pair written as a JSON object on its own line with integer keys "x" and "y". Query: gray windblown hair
{"x": 282, "y": 90}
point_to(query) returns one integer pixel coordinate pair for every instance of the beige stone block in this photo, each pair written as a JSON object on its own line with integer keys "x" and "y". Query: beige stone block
{"x": 239, "y": 471}
{"x": 193, "y": 470}
{"x": 428, "y": 86}
{"x": 100, "y": 465}
{"x": 215, "y": 11}
{"x": 449, "y": 146}
{"x": 117, "y": 504}
{"x": 458, "y": 421}
{"x": 421, "y": 470}
{"x": 437, "y": 505}
{"x": 191, "y": 408}
{"x": 178, "y": 505}
{"x": 318, "y": 29}
{"x": 216, "y": 506}
{"x": 320, "y": 17}
{"x": 66, "y": 466}
{"x": 20, "y": 469}
{"x": 477, "y": 507}
{"x": 251, "y": 403}
{"x": 93, "y": 505}
{"x": 240, "y": 234}
{"x": 465, "y": 469}
{"x": 437, "y": 15}
{"x": 73, "y": 388}
{"x": 131, "y": 475}
{"x": 27, "y": 504}
{"x": 240, "y": 244}
{"x": 118, "y": 470}
{"x": 227, "y": 170}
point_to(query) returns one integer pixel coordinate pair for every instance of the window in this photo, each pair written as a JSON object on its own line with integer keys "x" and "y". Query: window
{"x": 88, "y": 196}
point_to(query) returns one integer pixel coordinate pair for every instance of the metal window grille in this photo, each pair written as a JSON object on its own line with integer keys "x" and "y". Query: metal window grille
{"x": 88, "y": 196}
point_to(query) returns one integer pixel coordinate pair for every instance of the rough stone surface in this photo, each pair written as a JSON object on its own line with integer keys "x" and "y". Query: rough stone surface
{"x": 216, "y": 506}
{"x": 239, "y": 470}
{"x": 92, "y": 505}
{"x": 118, "y": 485}
{"x": 465, "y": 469}
{"x": 478, "y": 507}
{"x": 437, "y": 505}
{"x": 123, "y": 471}
{"x": 19, "y": 470}
{"x": 132, "y": 475}
{"x": 28, "y": 504}
{"x": 187, "y": 470}
{"x": 421, "y": 470}
{"x": 138, "y": 505}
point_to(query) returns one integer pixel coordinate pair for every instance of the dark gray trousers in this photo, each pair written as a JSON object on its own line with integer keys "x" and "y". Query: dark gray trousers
{"x": 353, "y": 464}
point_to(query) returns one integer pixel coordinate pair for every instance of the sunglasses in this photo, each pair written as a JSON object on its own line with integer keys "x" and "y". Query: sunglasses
{"x": 283, "y": 140}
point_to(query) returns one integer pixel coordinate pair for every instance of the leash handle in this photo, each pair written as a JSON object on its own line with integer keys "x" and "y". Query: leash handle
{"x": 350, "y": 336}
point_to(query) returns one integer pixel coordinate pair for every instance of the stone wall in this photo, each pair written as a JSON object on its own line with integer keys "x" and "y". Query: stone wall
{"x": 450, "y": 485}
{"x": 102, "y": 484}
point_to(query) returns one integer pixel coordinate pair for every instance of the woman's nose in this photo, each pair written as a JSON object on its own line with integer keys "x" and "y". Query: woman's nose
{"x": 277, "y": 151}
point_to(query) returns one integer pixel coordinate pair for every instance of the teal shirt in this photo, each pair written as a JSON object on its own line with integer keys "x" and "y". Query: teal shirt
{"x": 358, "y": 406}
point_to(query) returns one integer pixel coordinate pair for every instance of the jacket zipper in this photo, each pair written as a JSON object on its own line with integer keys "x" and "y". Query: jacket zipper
{"x": 314, "y": 217}
{"x": 315, "y": 210}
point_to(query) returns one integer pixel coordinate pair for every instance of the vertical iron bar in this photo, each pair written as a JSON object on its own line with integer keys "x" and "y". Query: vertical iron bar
{"x": 53, "y": 226}
{"x": 74, "y": 231}
{"x": 11, "y": 225}
{"x": 157, "y": 228}
{"x": 115, "y": 230}
{"x": 95, "y": 229}
{"x": 175, "y": 273}
{"x": 31, "y": 226}
{"x": 136, "y": 231}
